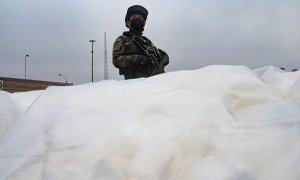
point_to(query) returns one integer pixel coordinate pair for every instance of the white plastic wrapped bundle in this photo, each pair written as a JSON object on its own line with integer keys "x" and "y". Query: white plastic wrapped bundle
{"x": 215, "y": 123}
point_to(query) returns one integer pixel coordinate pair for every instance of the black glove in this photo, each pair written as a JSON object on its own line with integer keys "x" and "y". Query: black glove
{"x": 143, "y": 59}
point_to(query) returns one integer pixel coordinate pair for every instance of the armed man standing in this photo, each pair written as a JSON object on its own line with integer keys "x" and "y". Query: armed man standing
{"x": 134, "y": 54}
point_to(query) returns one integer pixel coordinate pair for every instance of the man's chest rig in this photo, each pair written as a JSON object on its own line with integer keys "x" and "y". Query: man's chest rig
{"x": 143, "y": 46}
{"x": 138, "y": 45}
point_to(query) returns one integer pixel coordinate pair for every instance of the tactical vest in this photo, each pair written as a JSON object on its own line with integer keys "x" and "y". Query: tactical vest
{"x": 140, "y": 45}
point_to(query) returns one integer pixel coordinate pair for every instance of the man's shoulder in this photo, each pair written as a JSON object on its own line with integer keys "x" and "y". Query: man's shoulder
{"x": 121, "y": 40}
{"x": 144, "y": 37}
{"x": 121, "y": 37}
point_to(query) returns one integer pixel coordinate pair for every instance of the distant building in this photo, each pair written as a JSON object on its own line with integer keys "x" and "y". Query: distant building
{"x": 21, "y": 85}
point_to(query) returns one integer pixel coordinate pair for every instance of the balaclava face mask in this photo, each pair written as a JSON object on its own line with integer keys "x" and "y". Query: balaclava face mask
{"x": 137, "y": 25}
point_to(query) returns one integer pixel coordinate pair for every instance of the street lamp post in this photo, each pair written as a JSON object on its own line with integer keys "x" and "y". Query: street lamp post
{"x": 92, "y": 41}
{"x": 64, "y": 77}
{"x": 26, "y": 56}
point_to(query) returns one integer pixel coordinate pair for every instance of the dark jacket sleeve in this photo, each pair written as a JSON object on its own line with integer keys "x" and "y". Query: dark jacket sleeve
{"x": 164, "y": 56}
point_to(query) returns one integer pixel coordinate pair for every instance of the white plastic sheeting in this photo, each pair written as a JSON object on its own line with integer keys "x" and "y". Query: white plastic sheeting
{"x": 215, "y": 123}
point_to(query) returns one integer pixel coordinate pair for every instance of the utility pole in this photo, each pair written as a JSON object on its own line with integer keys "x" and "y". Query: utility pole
{"x": 26, "y": 56}
{"x": 105, "y": 59}
{"x": 92, "y": 41}
{"x": 25, "y": 81}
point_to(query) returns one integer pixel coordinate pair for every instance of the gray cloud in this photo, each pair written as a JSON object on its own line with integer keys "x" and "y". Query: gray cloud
{"x": 195, "y": 33}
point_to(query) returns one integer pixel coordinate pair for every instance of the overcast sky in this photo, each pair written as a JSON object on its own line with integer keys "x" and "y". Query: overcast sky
{"x": 195, "y": 33}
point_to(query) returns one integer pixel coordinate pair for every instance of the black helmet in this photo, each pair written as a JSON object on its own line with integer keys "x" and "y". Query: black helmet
{"x": 136, "y": 9}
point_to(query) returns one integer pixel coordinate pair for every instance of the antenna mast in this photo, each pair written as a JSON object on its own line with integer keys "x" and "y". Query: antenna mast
{"x": 105, "y": 59}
